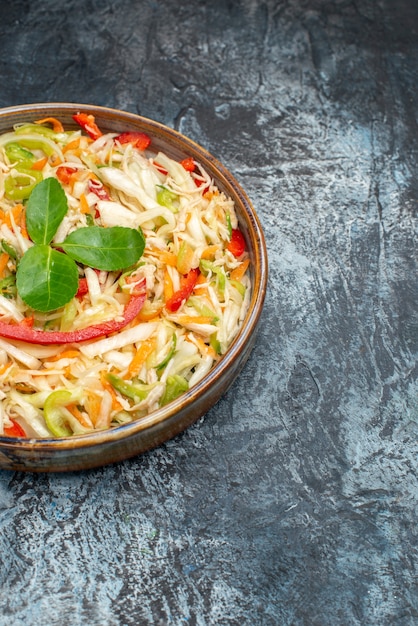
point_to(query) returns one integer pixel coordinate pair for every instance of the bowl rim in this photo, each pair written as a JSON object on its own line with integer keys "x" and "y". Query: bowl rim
{"x": 259, "y": 266}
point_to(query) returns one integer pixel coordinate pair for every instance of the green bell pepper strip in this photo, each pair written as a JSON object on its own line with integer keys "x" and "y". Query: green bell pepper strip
{"x": 229, "y": 225}
{"x": 167, "y": 198}
{"x": 38, "y": 142}
{"x": 202, "y": 309}
{"x": 136, "y": 392}
{"x": 7, "y": 247}
{"x": 175, "y": 386}
{"x": 170, "y": 354}
{"x": 208, "y": 266}
{"x": 19, "y": 187}
{"x": 215, "y": 343}
{"x": 15, "y": 152}
{"x": 238, "y": 286}
{"x": 58, "y": 420}
{"x": 38, "y": 129}
{"x": 8, "y": 286}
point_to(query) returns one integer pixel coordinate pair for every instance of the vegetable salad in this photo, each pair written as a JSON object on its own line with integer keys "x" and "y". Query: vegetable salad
{"x": 124, "y": 277}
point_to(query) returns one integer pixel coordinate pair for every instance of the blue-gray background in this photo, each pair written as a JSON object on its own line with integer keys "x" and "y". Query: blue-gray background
{"x": 294, "y": 500}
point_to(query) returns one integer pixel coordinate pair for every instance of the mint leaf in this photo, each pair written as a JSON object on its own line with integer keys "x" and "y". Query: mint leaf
{"x": 105, "y": 248}
{"x": 45, "y": 209}
{"x": 46, "y": 279}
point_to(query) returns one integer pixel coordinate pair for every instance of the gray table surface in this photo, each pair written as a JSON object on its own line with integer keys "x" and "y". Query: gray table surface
{"x": 294, "y": 500}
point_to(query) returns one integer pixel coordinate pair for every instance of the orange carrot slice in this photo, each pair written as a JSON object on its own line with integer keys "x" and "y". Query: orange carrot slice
{"x": 141, "y": 355}
{"x": 4, "y": 258}
{"x": 57, "y": 127}
{"x": 40, "y": 164}
{"x": 240, "y": 270}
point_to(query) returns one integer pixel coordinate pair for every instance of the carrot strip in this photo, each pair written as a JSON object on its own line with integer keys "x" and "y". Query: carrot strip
{"x": 147, "y": 314}
{"x": 208, "y": 195}
{"x": 198, "y": 290}
{"x": 72, "y": 145}
{"x": 40, "y": 164}
{"x": 116, "y": 405}
{"x": 239, "y": 271}
{"x": 27, "y": 322}
{"x": 57, "y": 127}
{"x": 4, "y": 258}
{"x": 185, "y": 258}
{"x": 93, "y": 406}
{"x": 204, "y": 348}
{"x": 168, "y": 285}
{"x": 66, "y": 354}
{"x": 75, "y": 411}
{"x": 4, "y": 368}
{"x": 84, "y": 205}
{"x": 141, "y": 355}
{"x": 15, "y": 212}
{"x": 55, "y": 160}
{"x": 194, "y": 319}
{"x": 166, "y": 257}
{"x": 209, "y": 252}
{"x": 22, "y": 224}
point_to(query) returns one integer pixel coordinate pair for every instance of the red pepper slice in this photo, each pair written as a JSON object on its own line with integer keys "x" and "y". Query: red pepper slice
{"x": 188, "y": 164}
{"x": 187, "y": 284}
{"x": 137, "y": 139}
{"x": 160, "y": 168}
{"x": 44, "y": 337}
{"x": 87, "y": 123}
{"x": 236, "y": 244}
{"x": 96, "y": 187}
{"x": 82, "y": 288}
{"x": 15, "y": 430}
{"x": 64, "y": 173}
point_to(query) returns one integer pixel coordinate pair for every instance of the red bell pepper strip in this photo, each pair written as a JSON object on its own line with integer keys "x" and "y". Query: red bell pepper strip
{"x": 187, "y": 284}
{"x": 87, "y": 123}
{"x": 64, "y": 173}
{"x": 160, "y": 168}
{"x": 15, "y": 430}
{"x": 236, "y": 244}
{"x": 137, "y": 139}
{"x": 45, "y": 337}
{"x": 188, "y": 164}
{"x": 96, "y": 187}
{"x": 82, "y": 288}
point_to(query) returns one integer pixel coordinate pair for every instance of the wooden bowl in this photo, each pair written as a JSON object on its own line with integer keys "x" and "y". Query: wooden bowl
{"x": 110, "y": 446}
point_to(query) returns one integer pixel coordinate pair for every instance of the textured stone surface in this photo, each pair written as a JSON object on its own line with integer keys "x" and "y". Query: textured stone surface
{"x": 293, "y": 502}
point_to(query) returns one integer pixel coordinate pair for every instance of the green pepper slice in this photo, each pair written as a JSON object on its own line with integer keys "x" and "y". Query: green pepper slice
{"x": 58, "y": 419}
{"x": 16, "y": 153}
{"x": 136, "y": 392}
{"x": 167, "y": 198}
{"x": 175, "y": 386}
{"x": 19, "y": 186}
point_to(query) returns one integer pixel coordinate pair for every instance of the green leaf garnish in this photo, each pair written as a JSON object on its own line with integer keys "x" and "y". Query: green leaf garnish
{"x": 45, "y": 210}
{"x": 46, "y": 279}
{"x": 105, "y": 248}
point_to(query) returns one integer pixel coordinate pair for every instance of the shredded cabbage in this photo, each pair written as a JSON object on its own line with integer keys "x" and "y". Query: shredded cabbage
{"x": 64, "y": 390}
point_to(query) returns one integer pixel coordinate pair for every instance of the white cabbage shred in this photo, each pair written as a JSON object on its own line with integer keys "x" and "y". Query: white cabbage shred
{"x": 186, "y": 221}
